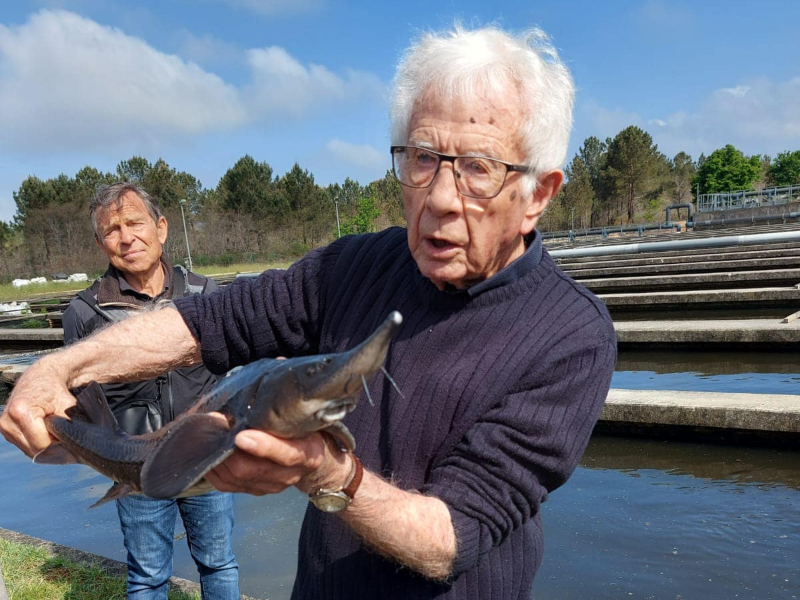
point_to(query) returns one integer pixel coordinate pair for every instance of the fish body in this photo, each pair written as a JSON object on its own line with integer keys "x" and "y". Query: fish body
{"x": 289, "y": 398}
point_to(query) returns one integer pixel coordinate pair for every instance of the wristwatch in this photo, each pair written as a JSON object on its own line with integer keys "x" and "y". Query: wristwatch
{"x": 336, "y": 499}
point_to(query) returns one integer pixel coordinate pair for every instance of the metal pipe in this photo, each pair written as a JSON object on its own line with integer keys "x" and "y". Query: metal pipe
{"x": 688, "y": 205}
{"x": 603, "y": 231}
{"x": 728, "y": 240}
{"x": 751, "y": 219}
{"x": 185, "y": 234}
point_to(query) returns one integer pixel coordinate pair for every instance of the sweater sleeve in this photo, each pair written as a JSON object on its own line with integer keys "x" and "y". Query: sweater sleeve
{"x": 520, "y": 450}
{"x": 277, "y": 313}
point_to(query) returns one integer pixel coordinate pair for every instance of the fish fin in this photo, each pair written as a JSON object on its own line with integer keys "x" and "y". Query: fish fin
{"x": 118, "y": 490}
{"x": 55, "y": 454}
{"x": 342, "y": 434}
{"x": 92, "y": 406}
{"x": 190, "y": 450}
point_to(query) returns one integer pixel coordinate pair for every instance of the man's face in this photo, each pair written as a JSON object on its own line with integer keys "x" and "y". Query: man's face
{"x": 128, "y": 235}
{"x": 456, "y": 239}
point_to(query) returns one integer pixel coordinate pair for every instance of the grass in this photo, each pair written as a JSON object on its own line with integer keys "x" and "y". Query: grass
{"x": 37, "y": 291}
{"x": 32, "y": 573}
{"x": 239, "y": 268}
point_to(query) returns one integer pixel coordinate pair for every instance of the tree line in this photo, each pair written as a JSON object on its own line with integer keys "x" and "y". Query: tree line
{"x": 252, "y": 215}
{"x": 255, "y": 215}
{"x": 626, "y": 180}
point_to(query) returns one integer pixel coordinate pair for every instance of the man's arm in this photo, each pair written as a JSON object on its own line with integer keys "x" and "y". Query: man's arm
{"x": 138, "y": 348}
{"x": 490, "y": 484}
{"x": 411, "y": 528}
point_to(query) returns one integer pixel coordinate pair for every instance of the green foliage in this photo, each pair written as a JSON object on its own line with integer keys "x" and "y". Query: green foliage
{"x": 364, "y": 219}
{"x": 727, "y": 170}
{"x": 785, "y": 169}
{"x": 634, "y": 169}
{"x": 681, "y": 172}
{"x": 167, "y": 185}
{"x": 578, "y": 194}
{"x": 248, "y": 187}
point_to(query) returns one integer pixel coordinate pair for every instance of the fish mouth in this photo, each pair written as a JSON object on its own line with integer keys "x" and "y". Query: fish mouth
{"x": 334, "y": 411}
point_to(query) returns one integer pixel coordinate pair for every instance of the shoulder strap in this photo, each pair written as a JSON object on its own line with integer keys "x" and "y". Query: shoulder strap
{"x": 186, "y": 284}
{"x": 90, "y": 298}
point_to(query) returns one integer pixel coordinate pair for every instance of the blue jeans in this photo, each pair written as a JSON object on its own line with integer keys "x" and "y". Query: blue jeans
{"x": 148, "y": 527}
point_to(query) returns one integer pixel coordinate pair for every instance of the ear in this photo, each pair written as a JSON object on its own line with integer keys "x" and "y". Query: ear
{"x": 162, "y": 228}
{"x": 547, "y": 188}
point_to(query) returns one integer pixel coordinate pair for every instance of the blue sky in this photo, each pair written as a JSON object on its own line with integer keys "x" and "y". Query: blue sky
{"x": 200, "y": 83}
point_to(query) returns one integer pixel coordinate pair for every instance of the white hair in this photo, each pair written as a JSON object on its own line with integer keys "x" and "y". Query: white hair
{"x": 461, "y": 65}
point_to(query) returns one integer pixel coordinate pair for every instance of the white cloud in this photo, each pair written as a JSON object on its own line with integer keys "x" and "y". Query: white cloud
{"x": 758, "y": 117}
{"x": 269, "y": 8}
{"x": 282, "y": 84}
{"x": 361, "y": 155}
{"x": 740, "y": 91}
{"x": 67, "y": 82}
{"x": 207, "y": 49}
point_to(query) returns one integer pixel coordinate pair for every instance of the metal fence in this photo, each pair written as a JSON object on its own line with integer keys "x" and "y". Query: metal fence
{"x": 748, "y": 198}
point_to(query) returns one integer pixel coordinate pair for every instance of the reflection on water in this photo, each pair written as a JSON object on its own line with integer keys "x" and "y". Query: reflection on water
{"x": 676, "y": 520}
{"x": 746, "y": 383}
{"x": 639, "y": 519}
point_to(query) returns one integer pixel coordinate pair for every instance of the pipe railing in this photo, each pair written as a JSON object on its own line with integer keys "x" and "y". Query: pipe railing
{"x": 728, "y": 240}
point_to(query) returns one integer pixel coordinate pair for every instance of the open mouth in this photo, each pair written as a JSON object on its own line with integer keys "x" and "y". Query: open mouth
{"x": 334, "y": 412}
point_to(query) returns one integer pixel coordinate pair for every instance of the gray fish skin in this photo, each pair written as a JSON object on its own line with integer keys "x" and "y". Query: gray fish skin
{"x": 91, "y": 436}
{"x": 289, "y": 398}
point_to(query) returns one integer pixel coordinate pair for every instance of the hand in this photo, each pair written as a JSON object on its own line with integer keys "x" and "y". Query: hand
{"x": 39, "y": 393}
{"x": 266, "y": 464}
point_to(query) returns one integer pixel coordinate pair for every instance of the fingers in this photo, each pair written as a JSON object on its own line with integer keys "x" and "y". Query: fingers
{"x": 266, "y": 464}
{"x": 258, "y": 476}
{"x": 305, "y": 452}
{"x": 36, "y": 395}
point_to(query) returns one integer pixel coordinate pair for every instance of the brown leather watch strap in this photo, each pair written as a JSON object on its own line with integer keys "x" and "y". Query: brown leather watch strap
{"x": 358, "y": 474}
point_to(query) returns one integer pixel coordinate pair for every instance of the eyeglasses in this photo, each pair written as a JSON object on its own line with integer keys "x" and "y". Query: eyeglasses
{"x": 476, "y": 176}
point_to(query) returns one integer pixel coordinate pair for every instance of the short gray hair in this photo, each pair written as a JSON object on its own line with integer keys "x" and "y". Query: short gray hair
{"x": 461, "y": 64}
{"x": 108, "y": 195}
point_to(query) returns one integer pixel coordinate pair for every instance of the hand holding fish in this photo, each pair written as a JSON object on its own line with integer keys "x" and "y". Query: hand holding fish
{"x": 266, "y": 464}
{"x": 40, "y": 393}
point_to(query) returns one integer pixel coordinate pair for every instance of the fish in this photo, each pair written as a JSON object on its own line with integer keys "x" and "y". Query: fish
{"x": 290, "y": 398}
{"x": 91, "y": 436}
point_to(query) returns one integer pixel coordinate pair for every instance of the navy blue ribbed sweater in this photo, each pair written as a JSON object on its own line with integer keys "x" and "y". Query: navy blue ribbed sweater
{"x": 500, "y": 393}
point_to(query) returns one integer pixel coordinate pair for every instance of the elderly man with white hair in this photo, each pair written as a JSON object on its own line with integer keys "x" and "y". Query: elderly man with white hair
{"x": 502, "y": 361}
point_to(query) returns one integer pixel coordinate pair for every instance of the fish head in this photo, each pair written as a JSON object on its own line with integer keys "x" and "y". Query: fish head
{"x": 324, "y": 387}
{"x": 343, "y": 375}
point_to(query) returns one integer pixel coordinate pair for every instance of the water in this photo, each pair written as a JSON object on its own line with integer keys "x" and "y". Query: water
{"x": 639, "y": 519}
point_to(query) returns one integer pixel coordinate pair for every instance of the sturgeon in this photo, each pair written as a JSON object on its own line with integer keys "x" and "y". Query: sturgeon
{"x": 289, "y": 398}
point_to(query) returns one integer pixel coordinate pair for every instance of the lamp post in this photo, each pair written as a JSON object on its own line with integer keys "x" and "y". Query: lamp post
{"x": 338, "y": 227}
{"x": 185, "y": 234}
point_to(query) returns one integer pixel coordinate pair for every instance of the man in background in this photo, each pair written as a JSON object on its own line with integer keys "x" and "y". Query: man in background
{"x": 130, "y": 230}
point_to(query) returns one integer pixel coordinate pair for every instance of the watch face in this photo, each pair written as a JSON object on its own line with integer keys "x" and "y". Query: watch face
{"x": 331, "y": 502}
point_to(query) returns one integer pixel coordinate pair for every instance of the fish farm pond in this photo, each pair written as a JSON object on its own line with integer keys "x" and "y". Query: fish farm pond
{"x": 641, "y": 518}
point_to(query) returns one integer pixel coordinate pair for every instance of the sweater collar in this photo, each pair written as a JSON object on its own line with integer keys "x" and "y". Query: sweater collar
{"x": 520, "y": 267}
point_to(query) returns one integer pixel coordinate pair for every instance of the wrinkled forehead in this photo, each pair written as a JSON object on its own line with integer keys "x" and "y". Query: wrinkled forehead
{"x": 129, "y": 204}
{"x": 496, "y": 111}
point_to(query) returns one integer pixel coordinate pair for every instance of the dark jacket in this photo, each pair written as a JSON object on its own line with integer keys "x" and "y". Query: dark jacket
{"x": 142, "y": 406}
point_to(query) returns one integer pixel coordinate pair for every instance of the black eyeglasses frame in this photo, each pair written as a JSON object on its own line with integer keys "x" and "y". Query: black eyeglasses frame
{"x": 451, "y": 158}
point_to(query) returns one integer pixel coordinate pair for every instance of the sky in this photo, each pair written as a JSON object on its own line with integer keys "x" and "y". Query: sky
{"x": 201, "y": 83}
